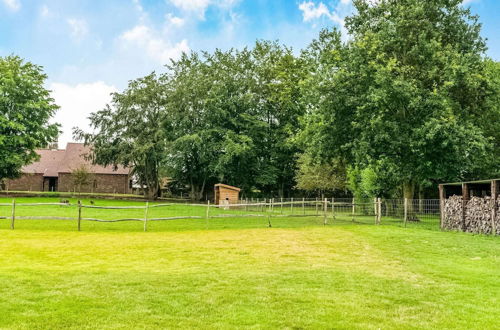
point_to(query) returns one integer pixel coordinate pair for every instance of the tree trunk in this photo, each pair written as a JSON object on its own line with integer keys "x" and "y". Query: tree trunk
{"x": 151, "y": 193}
{"x": 409, "y": 193}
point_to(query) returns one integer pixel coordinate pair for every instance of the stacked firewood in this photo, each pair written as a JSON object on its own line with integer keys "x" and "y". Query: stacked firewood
{"x": 478, "y": 215}
{"x": 478, "y": 212}
{"x": 453, "y": 213}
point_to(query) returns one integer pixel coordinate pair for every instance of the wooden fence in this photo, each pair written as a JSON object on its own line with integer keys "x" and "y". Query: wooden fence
{"x": 327, "y": 209}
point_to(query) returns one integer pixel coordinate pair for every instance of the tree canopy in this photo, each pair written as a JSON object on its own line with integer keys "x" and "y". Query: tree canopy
{"x": 25, "y": 110}
{"x": 408, "y": 100}
{"x": 227, "y": 116}
{"x": 131, "y": 133}
{"x": 404, "y": 93}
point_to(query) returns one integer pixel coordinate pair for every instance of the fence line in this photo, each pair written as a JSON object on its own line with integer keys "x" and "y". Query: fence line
{"x": 387, "y": 211}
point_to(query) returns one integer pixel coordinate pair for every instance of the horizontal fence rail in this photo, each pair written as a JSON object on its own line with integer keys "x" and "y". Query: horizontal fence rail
{"x": 400, "y": 212}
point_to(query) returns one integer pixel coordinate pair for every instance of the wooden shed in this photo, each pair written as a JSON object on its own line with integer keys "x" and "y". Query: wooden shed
{"x": 472, "y": 206}
{"x": 225, "y": 194}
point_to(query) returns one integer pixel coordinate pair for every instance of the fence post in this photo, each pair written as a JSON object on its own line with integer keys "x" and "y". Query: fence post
{"x": 281, "y": 205}
{"x": 291, "y": 206}
{"x": 353, "y": 208}
{"x": 325, "y": 211}
{"x": 405, "y": 211}
{"x": 303, "y": 206}
{"x": 207, "y": 214}
{"x": 442, "y": 201}
{"x": 375, "y": 208}
{"x": 79, "y": 215}
{"x": 379, "y": 205}
{"x": 333, "y": 208}
{"x": 493, "y": 207}
{"x": 13, "y": 219}
{"x": 465, "y": 199}
{"x": 316, "y": 204}
{"x": 246, "y": 204}
{"x": 146, "y": 216}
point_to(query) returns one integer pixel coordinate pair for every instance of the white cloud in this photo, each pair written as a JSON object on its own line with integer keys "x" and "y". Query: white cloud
{"x": 156, "y": 47}
{"x": 143, "y": 16}
{"x": 196, "y": 6}
{"x": 13, "y": 5}
{"x": 78, "y": 27}
{"x": 200, "y": 6}
{"x": 174, "y": 20}
{"x": 44, "y": 11}
{"x": 312, "y": 11}
{"x": 77, "y": 103}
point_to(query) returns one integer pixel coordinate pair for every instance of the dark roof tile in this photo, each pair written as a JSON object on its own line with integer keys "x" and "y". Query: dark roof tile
{"x": 53, "y": 162}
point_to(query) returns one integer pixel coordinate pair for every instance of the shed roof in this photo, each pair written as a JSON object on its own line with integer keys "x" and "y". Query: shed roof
{"x": 477, "y": 181}
{"x": 227, "y": 186}
{"x": 53, "y": 162}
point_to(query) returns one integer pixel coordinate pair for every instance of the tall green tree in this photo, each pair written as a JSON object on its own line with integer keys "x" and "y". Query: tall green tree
{"x": 189, "y": 124}
{"x": 320, "y": 177}
{"x": 276, "y": 95}
{"x": 406, "y": 89}
{"x": 129, "y": 132}
{"x": 232, "y": 115}
{"x": 489, "y": 121}
{"x": 25, "y": 110}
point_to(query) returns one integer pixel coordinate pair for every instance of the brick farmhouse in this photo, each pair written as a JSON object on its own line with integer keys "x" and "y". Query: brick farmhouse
{"x": 54, "y": 172}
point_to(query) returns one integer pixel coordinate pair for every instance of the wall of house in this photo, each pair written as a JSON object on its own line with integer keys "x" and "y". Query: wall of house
{"x": 27, "y": 182}
{"x": 101, "y": 183}
{"x": 232, "y": 195}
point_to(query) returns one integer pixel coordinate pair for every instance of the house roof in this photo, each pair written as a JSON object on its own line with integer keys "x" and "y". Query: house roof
{"x": 48, "y": 163}
{"x": 53, "y": 162}
{"x": 227, "y": 186}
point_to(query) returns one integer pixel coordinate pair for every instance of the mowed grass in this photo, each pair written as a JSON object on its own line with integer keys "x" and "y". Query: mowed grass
{"x": 240, "y": 273}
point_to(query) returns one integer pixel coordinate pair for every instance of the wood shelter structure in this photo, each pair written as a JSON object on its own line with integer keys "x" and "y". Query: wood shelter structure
{"x": 489, "y": 190}
{"x": 226, "y": 194}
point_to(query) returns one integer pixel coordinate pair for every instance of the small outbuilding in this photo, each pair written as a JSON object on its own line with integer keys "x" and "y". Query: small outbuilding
{"x": 226, "y": 194}
{"x": 472, "y": 206}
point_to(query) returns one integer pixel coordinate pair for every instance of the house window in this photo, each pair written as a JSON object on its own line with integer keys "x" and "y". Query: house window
{"x": 95, "y": 184}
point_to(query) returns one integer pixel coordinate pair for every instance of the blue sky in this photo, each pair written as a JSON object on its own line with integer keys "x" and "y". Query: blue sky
{"x": 90, "y": 48}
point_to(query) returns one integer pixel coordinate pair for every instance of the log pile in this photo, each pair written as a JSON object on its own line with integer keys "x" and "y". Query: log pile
{"x": 453, "y": 213}
{"x": 478, "y": 212}
{"x": 478, "y": 215}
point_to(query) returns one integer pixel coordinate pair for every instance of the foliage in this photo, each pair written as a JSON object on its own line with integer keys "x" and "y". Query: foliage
{"x": 409, "y": 100}
{"x": 404, "y": 92}
{"x": 226, "y": 116}
{"x": 488, "y": 120}
{"x": 233, "y": 114}
{"x": 25, "y": 110}
{"x": 320, "y": 177}
{"x": 130, "y": 132}
{"x": 82, "y": 176}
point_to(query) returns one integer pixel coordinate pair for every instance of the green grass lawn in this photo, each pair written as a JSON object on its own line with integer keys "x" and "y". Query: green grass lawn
{"x": 240, "y": 273}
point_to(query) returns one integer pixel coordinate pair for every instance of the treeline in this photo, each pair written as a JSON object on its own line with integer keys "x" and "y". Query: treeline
{"x": 409, "y": 100}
